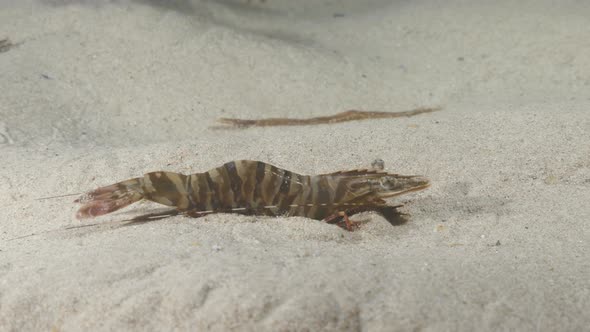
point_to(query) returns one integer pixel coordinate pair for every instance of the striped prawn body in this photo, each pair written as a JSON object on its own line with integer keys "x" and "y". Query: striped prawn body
{"x": 255, "y": 187}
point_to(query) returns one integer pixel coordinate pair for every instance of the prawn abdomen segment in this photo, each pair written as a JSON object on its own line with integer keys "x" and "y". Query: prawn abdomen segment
{"x": 250, "y": 187}
{"x": 167, "y": 188}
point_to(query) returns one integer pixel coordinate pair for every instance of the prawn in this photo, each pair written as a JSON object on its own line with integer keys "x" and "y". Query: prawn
{"x": 257, "y": 188}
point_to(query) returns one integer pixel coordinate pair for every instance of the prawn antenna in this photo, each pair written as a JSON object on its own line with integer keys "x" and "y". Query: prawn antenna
{"x": 58, "y": 196}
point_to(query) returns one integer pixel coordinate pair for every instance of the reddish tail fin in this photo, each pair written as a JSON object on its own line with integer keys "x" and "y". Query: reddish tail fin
{"x": 110, "y": 198}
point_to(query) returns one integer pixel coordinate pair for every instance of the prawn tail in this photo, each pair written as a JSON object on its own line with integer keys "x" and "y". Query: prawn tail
{"x": 110, "y": 198}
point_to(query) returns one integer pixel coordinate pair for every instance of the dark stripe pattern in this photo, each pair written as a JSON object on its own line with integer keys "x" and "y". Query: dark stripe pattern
{"x": 255, "y": 187}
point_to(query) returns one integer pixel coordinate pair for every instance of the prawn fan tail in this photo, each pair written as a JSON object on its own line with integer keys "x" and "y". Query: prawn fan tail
{"x": 110, "y": 198}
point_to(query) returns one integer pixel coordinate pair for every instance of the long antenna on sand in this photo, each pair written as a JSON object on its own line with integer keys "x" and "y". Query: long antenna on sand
{"x": 58, "y": 196}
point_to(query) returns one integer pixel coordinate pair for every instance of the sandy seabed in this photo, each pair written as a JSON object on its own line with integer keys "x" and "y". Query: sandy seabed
{"x": 94, "y": 92}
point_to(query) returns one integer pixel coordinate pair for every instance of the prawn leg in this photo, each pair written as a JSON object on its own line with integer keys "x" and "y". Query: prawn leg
{"x": 340, "y": 216}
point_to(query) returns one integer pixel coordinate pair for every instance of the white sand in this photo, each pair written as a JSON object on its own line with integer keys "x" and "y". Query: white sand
{"x": 98, "y": 92}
